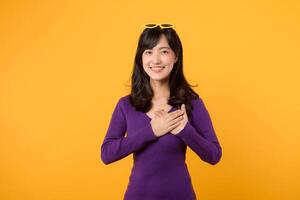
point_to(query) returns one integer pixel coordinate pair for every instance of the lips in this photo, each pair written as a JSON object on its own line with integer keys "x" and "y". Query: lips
{"x": 157, "y": 69}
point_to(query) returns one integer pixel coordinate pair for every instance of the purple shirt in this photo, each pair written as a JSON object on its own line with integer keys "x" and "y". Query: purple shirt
{"x": 159, "y": 171}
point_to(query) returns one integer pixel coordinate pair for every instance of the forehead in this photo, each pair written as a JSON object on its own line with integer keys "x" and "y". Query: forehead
{"x": 162, "y": 43}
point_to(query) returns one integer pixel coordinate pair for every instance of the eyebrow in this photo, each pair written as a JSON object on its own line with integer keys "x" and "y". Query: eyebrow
{"x": 164, "y": 47}
{"x": 161, "y": 48}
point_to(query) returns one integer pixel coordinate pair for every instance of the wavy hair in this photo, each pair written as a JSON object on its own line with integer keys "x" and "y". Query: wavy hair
{"x": 180, "y": 90}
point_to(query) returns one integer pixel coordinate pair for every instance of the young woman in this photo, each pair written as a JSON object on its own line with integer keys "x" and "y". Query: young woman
{"x": 162, "y": 116}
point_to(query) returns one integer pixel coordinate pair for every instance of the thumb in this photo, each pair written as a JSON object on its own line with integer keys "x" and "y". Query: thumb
{"x": 183, "y": 107}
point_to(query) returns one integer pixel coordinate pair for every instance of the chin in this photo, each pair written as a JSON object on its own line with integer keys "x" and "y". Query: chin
{"x": 155, "y": 78}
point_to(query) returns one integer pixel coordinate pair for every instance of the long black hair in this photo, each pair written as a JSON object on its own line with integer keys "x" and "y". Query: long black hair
{"x": 141, "y": 91}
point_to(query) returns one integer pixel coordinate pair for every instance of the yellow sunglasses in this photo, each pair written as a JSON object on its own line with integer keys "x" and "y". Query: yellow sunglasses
{"x": 162, "y": 26}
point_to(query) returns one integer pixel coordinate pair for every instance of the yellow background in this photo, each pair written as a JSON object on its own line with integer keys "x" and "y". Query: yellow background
{"x": 64, "y": 65}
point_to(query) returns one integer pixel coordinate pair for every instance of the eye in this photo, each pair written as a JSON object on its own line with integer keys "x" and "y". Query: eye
{"x": 165, "y": 52}
{"x": 148, "y": 52}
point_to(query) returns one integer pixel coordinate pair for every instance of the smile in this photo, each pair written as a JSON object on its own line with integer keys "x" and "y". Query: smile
{"x": 157, "y": 69}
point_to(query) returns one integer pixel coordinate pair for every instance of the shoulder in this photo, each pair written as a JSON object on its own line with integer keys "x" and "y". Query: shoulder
{"x": 124, "y": 99}
{"x": 198, "y": 106}
{"x": 197, "y": 101}
{"x": 123, "y": 103}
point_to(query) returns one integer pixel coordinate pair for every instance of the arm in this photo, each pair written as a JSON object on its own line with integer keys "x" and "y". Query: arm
{"x": 115, "y": 146}
{"x": 200, "y": 136}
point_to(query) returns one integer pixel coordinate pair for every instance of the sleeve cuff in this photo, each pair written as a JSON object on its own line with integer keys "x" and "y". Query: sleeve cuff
{"x": 185, "y": 131}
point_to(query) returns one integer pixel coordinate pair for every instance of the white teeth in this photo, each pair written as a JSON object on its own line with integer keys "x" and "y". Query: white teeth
{"x": 157, "y": 67}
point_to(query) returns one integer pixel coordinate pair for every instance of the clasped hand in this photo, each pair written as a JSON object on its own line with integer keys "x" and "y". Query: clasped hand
{"x": 164, "y": 122}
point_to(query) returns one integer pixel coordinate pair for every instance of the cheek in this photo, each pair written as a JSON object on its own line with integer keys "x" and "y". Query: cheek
{"x": 145, "y": 64}
{"x": 145, "y": 61}
{"x": 169, "y": 60}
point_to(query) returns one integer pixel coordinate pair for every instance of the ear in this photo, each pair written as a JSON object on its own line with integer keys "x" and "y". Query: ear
{"x": 176, "y": 58}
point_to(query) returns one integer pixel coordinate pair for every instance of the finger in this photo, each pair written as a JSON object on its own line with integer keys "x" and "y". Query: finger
{"x": 161, "y": 112}
{"x": 174, "y": 115}
{"x": 178, "y": 114}
{"x": 176, "y": 120}
{"x": 174, "y": 126}
{"x": 183, "y": 107}
{"x": 157, "y": 113}
{"x": 164, "y": 113}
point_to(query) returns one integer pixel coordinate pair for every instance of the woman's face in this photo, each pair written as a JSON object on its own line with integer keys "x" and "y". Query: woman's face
{"x": 158, "y": 62}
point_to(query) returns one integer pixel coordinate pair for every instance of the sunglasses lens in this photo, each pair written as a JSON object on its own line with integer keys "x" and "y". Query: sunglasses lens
{"x": 167, "y": 25}
{"x": 150, "y": 25}
{"x": 161, "y": 25}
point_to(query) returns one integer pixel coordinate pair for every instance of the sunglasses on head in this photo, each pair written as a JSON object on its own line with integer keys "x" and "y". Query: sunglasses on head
{"x": 162, "y": 26}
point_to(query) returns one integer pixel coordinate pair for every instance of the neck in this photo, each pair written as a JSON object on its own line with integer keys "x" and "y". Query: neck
{"x": 161, "y": 90}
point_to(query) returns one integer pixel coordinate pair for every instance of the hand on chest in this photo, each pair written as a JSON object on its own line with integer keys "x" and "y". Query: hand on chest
{"x": 152, "y": 113}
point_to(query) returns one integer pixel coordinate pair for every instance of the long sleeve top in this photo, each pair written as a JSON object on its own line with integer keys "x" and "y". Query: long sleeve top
{"x": 159, "y": 170}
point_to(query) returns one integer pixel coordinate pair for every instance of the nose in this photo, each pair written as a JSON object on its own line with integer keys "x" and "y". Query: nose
{"x": 156, "y": 58}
